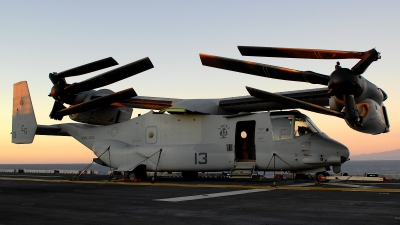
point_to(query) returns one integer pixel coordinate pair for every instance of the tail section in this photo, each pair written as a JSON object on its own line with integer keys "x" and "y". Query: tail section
{"x": 23, "y": 117}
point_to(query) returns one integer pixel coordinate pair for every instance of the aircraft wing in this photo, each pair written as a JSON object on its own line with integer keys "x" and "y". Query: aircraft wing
{"x": 143, "y": 102}
{"x": 252, "y": 104}
{"x": 226, "y": 105}
{"x": 203, "y": 106}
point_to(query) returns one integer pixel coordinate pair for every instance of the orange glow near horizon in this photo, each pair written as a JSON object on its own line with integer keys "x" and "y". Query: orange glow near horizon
{"x": 46, "y": 149}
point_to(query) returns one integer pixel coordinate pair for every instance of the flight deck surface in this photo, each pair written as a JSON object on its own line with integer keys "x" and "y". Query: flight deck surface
{"x": 50, "y": 199}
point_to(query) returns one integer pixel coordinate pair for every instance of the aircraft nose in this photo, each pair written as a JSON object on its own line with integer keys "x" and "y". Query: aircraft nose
{"x": 342, "y": 155}
{"x": 343, "y": 152}
{"x": 340, "y": 149}
{"x": 335, "y": 152}
{"x": 332, "y": 147}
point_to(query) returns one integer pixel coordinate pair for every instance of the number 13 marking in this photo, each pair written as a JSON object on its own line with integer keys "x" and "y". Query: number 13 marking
{"x": 202, "y": 160}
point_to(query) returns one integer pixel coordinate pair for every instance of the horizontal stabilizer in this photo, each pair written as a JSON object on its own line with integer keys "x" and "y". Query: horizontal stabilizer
{"x": 54, "y": 130}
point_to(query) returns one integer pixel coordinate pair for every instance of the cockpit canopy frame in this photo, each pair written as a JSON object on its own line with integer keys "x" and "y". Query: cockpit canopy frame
{"x": 291, "y": 124}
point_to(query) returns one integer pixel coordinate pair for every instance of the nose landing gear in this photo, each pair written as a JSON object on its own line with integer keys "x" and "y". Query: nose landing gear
{"x": 321, "y": 176}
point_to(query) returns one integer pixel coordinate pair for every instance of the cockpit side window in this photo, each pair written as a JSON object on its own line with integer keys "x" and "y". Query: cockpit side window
{"x": 282, "y": 127}
{"x": 302, "y": 126}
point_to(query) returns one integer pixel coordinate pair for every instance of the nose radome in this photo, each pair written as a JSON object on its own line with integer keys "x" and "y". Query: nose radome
{"x": 343, "y": 152}
{"x": 341, "y": 149}
{"x": 341, "y": 155}
{"x": 331, "y": 146}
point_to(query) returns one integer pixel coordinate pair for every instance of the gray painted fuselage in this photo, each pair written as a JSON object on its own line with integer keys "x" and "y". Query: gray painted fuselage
{"x": 203, "y": 143}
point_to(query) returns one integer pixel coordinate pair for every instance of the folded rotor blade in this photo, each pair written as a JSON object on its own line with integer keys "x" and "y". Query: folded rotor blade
{"x": 111, "y": 76}
{"x": 263, "y": 70}
{"x": 57, "y": 106}
{"x": 367, "y": 59}
{"x": 87, "y": 68}
{"x": 98, "y": 102}
{"x": 295, "y": 103}
{"x": 298, "y": 53}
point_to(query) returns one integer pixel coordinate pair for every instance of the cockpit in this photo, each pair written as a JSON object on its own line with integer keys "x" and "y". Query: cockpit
{"x": 288, "y": 126}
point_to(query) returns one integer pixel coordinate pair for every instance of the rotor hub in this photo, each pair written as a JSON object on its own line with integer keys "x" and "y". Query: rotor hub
{"x": 344, "y": 82}
{"x": 59, "y": 94}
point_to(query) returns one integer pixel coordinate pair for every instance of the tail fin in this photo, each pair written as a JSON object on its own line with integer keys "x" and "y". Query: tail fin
{"x": 23, "y": 117}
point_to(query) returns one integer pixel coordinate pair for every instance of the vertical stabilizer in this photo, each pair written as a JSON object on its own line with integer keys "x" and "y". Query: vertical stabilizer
{"x": 23, "y": 118}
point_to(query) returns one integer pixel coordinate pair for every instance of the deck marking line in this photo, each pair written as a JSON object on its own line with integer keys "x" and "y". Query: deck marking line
{"x": 351, "y": 185}
{"x": 28, "y": 175}
{"x": 213, "y": 195}
{"x": 301, "y": 185}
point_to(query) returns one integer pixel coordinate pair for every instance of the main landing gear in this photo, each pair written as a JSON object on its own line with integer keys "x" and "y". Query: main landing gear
{"x": 138, "y": 173}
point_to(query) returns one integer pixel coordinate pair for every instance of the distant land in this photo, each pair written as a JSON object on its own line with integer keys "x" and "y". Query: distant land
{"x": 388, "y": 155}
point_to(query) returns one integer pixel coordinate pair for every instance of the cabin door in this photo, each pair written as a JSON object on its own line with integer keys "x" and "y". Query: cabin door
{"x": 245, "y": 150}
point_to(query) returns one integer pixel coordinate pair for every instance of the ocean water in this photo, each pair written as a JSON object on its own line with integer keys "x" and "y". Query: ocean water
{"x": 351, "y": 167}
{"x": 101, "y": 169}
{"x": 372, "y": 166}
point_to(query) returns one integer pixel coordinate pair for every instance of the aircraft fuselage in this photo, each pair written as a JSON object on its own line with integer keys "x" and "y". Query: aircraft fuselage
{"x": 184, "y": 142}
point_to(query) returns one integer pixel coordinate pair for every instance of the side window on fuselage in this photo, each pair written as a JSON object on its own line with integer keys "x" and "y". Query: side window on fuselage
{"x": 282, "y": 127}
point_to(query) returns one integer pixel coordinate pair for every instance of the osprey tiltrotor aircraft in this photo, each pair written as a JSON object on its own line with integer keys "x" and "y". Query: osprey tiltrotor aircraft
{"x": 198, "y": 135}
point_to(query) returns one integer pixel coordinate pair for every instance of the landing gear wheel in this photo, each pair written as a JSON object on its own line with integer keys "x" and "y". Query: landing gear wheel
{"x": 132, "y": 176}
{"x": 137, "y": 174}
{"x": 321, "y": 176}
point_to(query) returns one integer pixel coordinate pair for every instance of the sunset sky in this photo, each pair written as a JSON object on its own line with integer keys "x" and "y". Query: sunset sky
{"x": 39, "y": 37}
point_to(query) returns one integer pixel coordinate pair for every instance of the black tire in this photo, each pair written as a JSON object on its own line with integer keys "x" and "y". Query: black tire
{"x": 138, "y": 173}
{"x": 132, "y": 175}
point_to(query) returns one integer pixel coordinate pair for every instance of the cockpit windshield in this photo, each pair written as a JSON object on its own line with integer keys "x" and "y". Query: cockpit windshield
{"x": 304, "y": 125}
{"x": 287, "y": 127}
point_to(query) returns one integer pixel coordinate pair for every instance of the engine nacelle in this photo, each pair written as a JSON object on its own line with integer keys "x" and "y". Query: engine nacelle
{"x": 104, "y": 116}
{"x": 374, "y": 118}
{"x": 369, "y": 91}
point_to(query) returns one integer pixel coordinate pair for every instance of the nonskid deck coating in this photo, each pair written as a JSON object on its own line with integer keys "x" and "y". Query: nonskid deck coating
{"x": 393, "y": 186}
{"x": 95, "y": 200}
